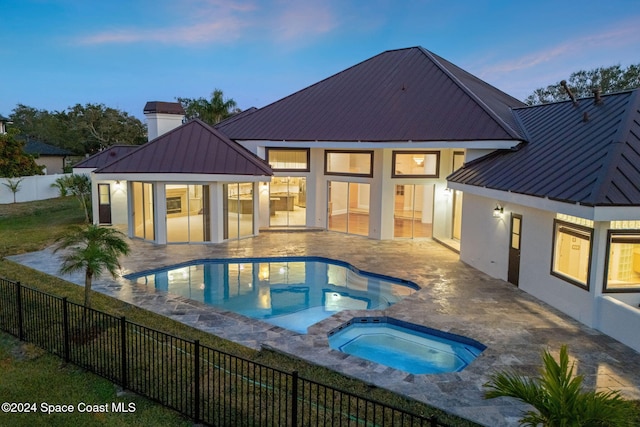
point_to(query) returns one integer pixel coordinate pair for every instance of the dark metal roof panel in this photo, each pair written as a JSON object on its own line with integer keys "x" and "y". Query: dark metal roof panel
{"x": 399, "y": 95}
{"x": 588, "y": 154}
{"x": 32, "y": 146}
{"x": 194, "y": 148}
{"x": 106, "y": 156}
{"x": 163, "y": 107}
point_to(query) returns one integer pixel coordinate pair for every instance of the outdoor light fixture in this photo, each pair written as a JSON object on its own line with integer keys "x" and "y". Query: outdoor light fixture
{"x": 498, "y": 211}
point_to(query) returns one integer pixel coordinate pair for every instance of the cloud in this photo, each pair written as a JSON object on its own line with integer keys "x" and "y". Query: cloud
{"x": 223, "y": 21}
{"x": 623, "y": 35}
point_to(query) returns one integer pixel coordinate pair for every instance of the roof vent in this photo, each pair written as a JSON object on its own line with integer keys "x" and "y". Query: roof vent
{"x": 597, "y": 99}
{"x": 585, "y": 117}
{"x": 563, "y": 83}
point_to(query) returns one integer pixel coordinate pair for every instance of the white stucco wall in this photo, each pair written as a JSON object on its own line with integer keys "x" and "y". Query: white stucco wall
{"x": 485, "y": 246}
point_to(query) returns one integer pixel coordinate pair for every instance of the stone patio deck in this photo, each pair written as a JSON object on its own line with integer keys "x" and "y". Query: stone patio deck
{"x": 454, "y": 297}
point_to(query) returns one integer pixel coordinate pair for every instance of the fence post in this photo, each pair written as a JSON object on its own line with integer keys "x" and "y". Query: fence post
{"x": 433, "y": 421}
{"x": 294, "y": 397}
{"x": 196, "y": 374}
{"x": 65, "y": 328}
{"x": 123, "y": 350}
{"x": 19, "y": 304}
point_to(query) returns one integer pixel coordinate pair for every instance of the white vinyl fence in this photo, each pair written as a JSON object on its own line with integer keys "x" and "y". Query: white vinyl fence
{"x": 37, "y": 187}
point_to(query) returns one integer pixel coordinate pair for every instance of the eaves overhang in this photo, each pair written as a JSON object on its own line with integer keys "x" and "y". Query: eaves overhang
{"x": 179, "y": 177}
{"x": 442, "y": 144}
{"x": 595, "y": 213}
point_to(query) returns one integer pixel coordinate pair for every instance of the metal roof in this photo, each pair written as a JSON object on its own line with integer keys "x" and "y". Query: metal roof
{"x": 399, "y": 95}
{"x": 193, "y": 148}
{"x": 32, "y": 146}
{"x": 586, "y": 153}
{"x": 106, "y": 156}
{"x": 163, "y": 107}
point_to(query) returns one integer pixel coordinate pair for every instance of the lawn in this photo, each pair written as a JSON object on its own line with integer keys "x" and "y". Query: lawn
{"x": 35, "y": 376}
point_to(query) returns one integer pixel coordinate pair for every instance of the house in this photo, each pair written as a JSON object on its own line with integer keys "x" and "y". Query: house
{"x": 531, "y": 191}
{"x": 3, "y": 125}
{"x": 53, "y": 159}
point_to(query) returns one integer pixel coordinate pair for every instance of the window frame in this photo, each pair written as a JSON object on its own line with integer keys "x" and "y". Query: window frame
{"x": 610, "y": 235}
{"x": 366, "y": 175}
{"x": 267, "y": 151}
{"x": 579, "y": 232}
{"x": 414, "y": 152}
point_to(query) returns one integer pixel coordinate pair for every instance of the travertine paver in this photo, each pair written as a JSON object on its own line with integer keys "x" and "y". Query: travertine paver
{"x": 454, "y": 297}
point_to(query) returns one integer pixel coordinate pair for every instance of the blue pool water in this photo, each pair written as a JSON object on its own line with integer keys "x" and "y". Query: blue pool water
{"x": 292, "y": 292}
{"x": 404, "y": 346}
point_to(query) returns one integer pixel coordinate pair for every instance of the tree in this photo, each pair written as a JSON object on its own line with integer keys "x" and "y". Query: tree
{"x": 559, "y": 400}
{"x": 83, "y": 129}
{"x": 80, "y": 186}
{"x": 91, "y": 249}
{"x": 14, "y": 186}
{"x": 209, "y": 111}
{"x": 607, "y": 79}
{"x": 14, "y": 162}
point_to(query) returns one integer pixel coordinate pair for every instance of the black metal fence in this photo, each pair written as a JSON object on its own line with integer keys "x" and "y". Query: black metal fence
{"x": 207, "y": 385}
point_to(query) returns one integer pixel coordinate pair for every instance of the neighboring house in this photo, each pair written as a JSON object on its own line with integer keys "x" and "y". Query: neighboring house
{"x": 368, "y": 152}
{"x": 54, "y": 159}
{"x": 3, "y": 125}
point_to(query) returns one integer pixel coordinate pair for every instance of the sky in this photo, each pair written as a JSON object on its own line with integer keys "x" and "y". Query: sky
{"x": 122, "y": 53}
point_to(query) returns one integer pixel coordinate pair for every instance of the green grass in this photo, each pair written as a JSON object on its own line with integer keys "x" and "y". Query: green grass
{"x": 32, "y": 226}
{"x": 30, "y": 375}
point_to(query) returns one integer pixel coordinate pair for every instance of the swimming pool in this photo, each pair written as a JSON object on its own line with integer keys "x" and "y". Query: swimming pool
{"x": 291, "y": 292}
{"x": 405, "y": 346}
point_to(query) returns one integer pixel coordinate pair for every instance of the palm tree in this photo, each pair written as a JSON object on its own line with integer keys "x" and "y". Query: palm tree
{"x": 210, "y": 111}
{"x": 80, "y": 186}
{"x": 91, "y": 249}
{"x": 14, "y": 186}
{"x": 559, "y": 400}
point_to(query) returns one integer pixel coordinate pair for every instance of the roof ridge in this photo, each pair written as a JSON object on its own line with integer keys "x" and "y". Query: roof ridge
{"x": 603, "y": 182}
{"x": 235, "y": 146}
{"x": 513, "y": 132}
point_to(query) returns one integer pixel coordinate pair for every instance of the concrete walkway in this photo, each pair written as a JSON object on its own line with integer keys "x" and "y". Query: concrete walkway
{"x": 454, "y": 297}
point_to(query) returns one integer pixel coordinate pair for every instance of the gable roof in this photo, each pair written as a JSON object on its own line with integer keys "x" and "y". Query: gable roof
{"x": 32, "y": 146}
{"x": 106, "y": 156}
{"x": 399, "y": 95}
{"x": 594, "y": 162}
{"x": 193, "y": 148}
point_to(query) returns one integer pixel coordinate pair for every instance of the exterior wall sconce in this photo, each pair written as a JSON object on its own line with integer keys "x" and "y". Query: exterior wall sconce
{"x": 498, "y": 211}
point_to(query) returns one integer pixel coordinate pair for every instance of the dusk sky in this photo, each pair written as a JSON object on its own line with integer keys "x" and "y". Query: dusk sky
{"x": 123, "y": 53}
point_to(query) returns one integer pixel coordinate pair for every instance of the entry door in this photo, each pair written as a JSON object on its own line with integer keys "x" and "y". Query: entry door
{"x": 104, "y": 206}
{"x": 514, "y": 249}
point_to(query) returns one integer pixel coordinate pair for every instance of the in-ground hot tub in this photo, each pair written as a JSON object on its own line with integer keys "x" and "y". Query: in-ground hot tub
{"x": 405, "y": 346}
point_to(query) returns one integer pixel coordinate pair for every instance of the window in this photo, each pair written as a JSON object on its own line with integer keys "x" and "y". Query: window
{"x": 623, "y": 261}
{"x": 571, "y": 254}
{"x": 352, "y": 163}
{"x": 421, "y": 164}
{"x": 288, "y": 159}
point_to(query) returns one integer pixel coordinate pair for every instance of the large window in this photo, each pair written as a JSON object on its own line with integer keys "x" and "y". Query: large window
{"x": 288, "y": 159}
{"x": 352, "y": 163}
{"x": 143, "y": 212}
{"x": 238, "y": 209}
{"x": 418, "y": 164}
{"x": 571, "y": 255}
{"x": 187, "y": 213}
{"x": 623, "y": 261}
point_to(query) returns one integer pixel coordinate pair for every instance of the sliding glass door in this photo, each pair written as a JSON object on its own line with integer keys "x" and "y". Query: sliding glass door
{"x": 413, "y": 211}
{"x": 348, "y": 209}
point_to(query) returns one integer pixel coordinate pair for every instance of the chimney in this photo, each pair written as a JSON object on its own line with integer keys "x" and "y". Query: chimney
{"x": 563, "y": 83}
{"x": 162, "y": 117}
{"x": 597, "y": 99}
